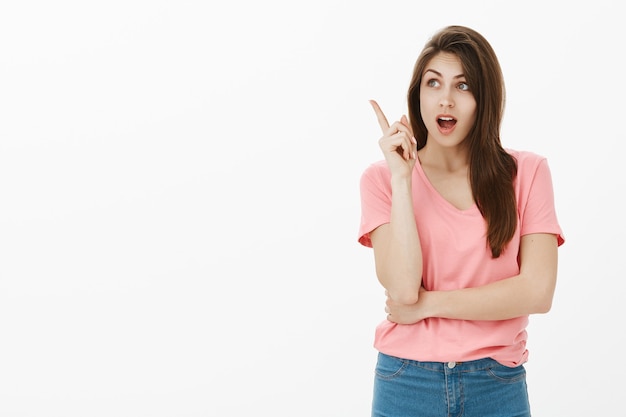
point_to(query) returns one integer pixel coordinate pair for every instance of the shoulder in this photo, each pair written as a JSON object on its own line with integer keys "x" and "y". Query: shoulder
{"x": 375, "y": 182}
{"x": 526, "y": 157}
{"x": 527, "y": 162}
{"x": 376, "y": 171}
{"x": 377, "y": 166}
{"x": 533, "y": 176}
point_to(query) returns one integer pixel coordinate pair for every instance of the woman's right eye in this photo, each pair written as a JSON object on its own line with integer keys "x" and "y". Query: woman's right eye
{"x": 432, "y": 83}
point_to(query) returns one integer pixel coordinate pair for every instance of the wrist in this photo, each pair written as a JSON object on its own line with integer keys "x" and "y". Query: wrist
{"x": 429, "y": 300}
{"x": 401, "y": 181}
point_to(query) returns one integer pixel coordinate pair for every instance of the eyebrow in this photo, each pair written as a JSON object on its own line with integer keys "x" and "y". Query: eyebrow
{"x": 440, "y": 75}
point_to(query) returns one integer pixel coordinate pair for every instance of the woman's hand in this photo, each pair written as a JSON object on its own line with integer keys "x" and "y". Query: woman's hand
{"x": 407, "y": 313}
{"x": 397, "y": 143}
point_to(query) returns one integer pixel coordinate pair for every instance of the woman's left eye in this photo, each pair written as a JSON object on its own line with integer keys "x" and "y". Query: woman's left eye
{"x": 463, "y": 87}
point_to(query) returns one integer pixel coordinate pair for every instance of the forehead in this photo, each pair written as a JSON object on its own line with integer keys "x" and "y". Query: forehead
{"x": 445, "y": 63}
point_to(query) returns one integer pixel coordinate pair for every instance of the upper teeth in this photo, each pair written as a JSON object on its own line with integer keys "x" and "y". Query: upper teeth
{"x": 446, "y": 118}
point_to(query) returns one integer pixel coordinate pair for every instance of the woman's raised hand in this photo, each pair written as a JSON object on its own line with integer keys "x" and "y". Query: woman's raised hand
{"x": 397, "y": 143}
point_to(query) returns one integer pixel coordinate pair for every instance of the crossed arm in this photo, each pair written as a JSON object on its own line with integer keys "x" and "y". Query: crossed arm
{"x": 529, "y": 292}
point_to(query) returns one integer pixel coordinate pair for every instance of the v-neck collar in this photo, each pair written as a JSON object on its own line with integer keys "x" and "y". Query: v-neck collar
{"x": 420, "y": 170}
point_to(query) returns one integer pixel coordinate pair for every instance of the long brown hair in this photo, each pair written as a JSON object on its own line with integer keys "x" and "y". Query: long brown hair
{"x": 492, "y": 170}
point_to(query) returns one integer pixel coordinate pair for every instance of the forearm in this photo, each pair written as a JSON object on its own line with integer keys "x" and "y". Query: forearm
{"x": 530, "y": 292}
{"x": 397, "y": 248}
{"x": 501, "y": 300}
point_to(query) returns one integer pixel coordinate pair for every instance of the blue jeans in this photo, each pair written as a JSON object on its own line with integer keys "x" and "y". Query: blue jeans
{"x": 480, "y": 388}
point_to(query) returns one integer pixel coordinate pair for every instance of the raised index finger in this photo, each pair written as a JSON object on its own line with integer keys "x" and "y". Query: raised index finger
{"x": 382, "y": 120}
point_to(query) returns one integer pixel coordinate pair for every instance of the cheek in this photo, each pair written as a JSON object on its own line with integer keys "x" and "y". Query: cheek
{"x": 428, "y": 118}
{"x": 470, "y": 110}
{"x": 426, "y": 99}
{"x": 473, "y": 116}
{"x": 425, "y": 107}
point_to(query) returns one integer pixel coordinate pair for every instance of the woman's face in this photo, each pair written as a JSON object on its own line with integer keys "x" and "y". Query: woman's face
{"x": 447, "y": 104}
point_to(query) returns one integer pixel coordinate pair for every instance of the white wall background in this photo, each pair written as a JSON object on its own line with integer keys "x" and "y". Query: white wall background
{"x": 179, "y": 199}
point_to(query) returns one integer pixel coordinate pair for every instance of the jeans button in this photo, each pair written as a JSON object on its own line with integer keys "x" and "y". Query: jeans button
{"x": 451, "y": 365}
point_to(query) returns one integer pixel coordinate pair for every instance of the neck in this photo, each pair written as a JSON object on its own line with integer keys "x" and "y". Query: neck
{"x": 446, "y": 159}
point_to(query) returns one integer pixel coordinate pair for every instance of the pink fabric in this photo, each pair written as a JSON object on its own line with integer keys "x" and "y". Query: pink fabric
{"x": 456, "y": 256}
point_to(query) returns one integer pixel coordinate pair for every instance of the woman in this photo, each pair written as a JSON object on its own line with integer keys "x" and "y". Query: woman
{"x": 465, "y": 236}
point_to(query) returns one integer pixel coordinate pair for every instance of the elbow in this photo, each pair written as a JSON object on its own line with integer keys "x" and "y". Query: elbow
{"x": 543, "y": 306}
{"x": 406, "y": 297}
{"x": 402, "y": 288}
{"x": 543, "y": 301}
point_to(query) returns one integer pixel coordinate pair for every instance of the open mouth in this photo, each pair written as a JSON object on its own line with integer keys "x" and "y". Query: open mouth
{"x": 446, "y": 123}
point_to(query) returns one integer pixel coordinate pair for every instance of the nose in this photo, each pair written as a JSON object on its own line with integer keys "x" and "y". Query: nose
{"x": 446, "y": 99}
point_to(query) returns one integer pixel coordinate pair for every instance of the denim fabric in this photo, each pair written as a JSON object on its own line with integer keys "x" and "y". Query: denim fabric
{"x": 480, "y": 388}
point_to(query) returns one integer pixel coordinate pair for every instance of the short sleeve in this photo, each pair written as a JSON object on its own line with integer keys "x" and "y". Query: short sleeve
{"x": 538, "y": 213}
{"x": 375, "y": 190}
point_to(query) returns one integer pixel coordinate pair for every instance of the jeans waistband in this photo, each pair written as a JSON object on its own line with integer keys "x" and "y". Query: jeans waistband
{"x": 467, "y": 366}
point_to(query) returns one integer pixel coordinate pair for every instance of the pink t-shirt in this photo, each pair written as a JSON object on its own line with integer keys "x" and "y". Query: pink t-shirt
{"x": 456, "y": 256}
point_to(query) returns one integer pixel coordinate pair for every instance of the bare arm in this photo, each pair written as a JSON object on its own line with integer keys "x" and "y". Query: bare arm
{"x": 397, "y": 251}
{"x": 530, "y": 292}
